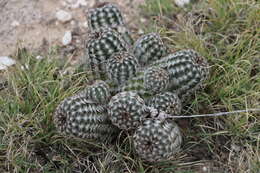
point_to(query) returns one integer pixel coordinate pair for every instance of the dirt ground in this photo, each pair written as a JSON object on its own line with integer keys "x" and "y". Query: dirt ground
{"x": 33, "y": 24}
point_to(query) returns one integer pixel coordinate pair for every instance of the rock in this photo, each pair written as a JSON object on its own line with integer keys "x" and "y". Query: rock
{"x": 5, "y": 62}
{"x": 79, "y": 3}
{"x": 235, "y": 148}
{"x": 63, "y": 16}
{"x": 73, "y": 23}
{"x": 143, "y": 20}
{"x": 181, "y": 3}
{"x": 85, "y": 24}
{"x": 204, "y": 169}
{"x": 140, "y": 31}
{"x": 39, "y": 57}
{"x": 76, "y": 3}
{"x": 67, "y": 38}
{"x": 15, "y": 23}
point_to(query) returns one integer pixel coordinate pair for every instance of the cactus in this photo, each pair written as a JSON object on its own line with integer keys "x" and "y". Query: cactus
{"x": 156, "y": 79}
{"x": 126, "y": 110}
{"x": 121, "y": 66}
{"x": 108, "y": 15}
{"x": 146, "y": 83}
{"x": 98, "y": 92}
{"x": 136, "y": 84}
{"x": 149, "y": 48}
{"x": 157, "y": 140}
{"x": 167, "y": 102}
{"x": 83, "y": 118}
{"x": 187, "y": 70}
{"x": 100, "y": 46}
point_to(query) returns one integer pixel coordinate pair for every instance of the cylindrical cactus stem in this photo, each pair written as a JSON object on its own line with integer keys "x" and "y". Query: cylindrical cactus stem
{"x": 83, "y": 118}
{"x": 187, "y": 70}
{"x": 100, "y": 46}
{"x": 121, "y": 66}
{"x": 108, "y": 15}
{"x": 98, "y": 92}
{"x": 105, "y": 15}
{"x": 149, "y": 48}
{"x": 127, "y": 110}
{"x": 157, "y": 140}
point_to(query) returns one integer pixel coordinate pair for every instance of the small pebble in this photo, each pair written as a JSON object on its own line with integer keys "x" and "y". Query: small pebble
{"x": 5, "y": 62}
{"x": 39, "y": 57}
{"x": 25, "y": 67}
{"x": 15, "y": 23}
{"x": 64, "y": 3}
{"x": 63, "y": 16}
{"x": 76, "y": 3}
{"x": 205, "y": 169}
{"x": 140, "y": 31}
{"x": 85, "y": 24}
{"x": 182, "y": 3}
{"x": 79, "y": 3}
{"x": 73, "y": 23}
{"x": 235, "y": 147}
{"x": 67, "y": 38}
{"x": 142, "y": 20}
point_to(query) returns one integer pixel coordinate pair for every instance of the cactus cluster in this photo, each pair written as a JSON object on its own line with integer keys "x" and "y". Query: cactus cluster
{"x": 143, "y": 81}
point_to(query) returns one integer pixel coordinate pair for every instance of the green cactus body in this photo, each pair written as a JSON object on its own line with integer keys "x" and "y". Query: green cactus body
{"x": 187, "y": 70}
{"x": 83, "y": 118}
{"x": 167, "y": 102}
{"x": 156, "y": 79}
{"x": 126, "y": 110}
{"x": 146, "y": 83}
{"x": 108, "y": 16}
{"x": 157, "y": 140}
{"x": 98, "y": 92}
{"x": 136, "y": 84}
{"x": 100, "y": 47}
{"x": 121, "y": 66}
{"x": 125, "y": 33}
{"x": 149, "y": 48}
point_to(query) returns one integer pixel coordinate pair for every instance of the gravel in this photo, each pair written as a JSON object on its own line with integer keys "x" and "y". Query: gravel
{"x": 63, "y": 16}
{"x": 67, "y": 38}
{"x": 5, "y": 62}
